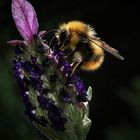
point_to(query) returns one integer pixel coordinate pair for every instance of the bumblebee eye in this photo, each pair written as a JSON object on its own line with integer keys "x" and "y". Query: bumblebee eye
{"x": 63, "y": 35}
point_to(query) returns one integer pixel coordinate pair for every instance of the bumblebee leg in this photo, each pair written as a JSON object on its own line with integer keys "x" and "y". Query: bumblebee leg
{"x": 62, "y": 47}
{"x": 74, "y": 66}
{"x": 70, "y": 53}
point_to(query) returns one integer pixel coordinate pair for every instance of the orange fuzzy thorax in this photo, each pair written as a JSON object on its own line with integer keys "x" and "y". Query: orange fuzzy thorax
{"x": 77, "y": 26}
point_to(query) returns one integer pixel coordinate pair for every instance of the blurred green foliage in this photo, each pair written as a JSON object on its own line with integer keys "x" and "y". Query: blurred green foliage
{"x": 125, "y": 130}
{"x": 14, "y": 125}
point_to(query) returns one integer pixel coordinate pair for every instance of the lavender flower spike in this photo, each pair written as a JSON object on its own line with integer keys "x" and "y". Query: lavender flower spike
{"x": 55, "y": 102}
{"x": 25, "y": 19}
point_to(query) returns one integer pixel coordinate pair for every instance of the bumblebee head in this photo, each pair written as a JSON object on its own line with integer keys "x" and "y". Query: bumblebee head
{"x": 73, "y": 32}
{"x": 62, "y": 35}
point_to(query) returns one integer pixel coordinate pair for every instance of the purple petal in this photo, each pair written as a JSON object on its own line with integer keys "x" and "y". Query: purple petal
{"x": 42, "y": 34}
{"x": 16, "y": 42}
{"x": 25, "y": 18}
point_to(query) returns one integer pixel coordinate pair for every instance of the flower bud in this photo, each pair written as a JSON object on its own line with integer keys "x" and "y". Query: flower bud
{"x": 55, "y": 101}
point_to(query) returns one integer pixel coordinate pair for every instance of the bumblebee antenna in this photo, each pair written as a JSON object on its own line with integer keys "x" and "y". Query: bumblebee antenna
{"x": 52, "y": 41}
{"x": 53, "y": 30}
{"x": 50, "y": 31}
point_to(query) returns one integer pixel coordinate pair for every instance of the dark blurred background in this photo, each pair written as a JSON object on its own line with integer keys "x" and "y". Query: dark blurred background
{"x": 115, "y": 107}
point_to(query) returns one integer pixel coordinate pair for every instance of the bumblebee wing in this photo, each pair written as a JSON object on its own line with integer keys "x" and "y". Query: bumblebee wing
{"x": 106, "y": 47}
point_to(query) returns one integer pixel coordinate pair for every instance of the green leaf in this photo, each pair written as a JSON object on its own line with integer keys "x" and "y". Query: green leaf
{"x": 89, "y": 93}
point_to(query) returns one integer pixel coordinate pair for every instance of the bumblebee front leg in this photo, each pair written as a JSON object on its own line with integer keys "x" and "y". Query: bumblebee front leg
{"x": 62, "y": 48}
{"x": 74, "y": 65}
{"x": 70, "y": 53}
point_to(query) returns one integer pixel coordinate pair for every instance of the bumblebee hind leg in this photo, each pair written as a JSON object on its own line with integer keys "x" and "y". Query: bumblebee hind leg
{"x": 74, "y": 66}
{"x": 77, "y": 61}
{"x": 70, "y": 53}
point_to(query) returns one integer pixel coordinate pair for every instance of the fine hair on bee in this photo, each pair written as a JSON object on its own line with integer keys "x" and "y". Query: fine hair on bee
{"x": 81, "y": 46}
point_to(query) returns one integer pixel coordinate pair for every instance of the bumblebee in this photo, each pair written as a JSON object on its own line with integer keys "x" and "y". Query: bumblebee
{"x": 82, "y": 47}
